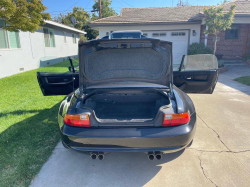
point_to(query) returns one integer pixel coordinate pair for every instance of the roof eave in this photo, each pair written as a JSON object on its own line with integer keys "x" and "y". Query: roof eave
{"x": 93, "y": 25}
{"x": 64, "y": 26}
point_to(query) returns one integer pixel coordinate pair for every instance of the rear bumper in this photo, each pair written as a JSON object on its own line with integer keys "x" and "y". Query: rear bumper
{"x": 167, "y": 140}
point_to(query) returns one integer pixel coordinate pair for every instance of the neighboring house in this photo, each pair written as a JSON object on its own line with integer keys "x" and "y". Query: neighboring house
{"x": 183, "y": 26}
{"x": 23, "y": 51}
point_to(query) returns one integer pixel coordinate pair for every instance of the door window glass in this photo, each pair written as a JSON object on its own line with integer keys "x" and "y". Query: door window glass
{"x": 58, "y": 64}
{"x": 200, "y": 62}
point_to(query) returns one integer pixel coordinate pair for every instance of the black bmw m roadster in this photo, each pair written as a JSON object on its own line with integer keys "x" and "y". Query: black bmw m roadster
{"x": 127, "y": 98}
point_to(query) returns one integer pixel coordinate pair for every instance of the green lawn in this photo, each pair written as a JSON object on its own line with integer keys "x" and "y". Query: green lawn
{"x": 28, "y": 130}
{"x": 243, "y": 80}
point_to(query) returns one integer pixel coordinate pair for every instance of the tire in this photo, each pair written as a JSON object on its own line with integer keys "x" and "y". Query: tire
{"x": 65, "y": 146}
{"x": 189, "y": 145}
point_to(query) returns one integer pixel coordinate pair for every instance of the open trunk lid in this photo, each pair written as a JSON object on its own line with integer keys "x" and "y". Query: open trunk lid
{"x": 125, "y": 60}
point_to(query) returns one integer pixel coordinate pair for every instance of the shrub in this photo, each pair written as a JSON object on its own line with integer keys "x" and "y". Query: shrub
{"x": 221, "y": 63}
{"x": 199, "y": 48}
{"x": 83, "y": 38}
{"x": 246, "y": 58}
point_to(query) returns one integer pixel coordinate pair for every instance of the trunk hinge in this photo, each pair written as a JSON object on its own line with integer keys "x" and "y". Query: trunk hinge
{"x": 171, "y": 93}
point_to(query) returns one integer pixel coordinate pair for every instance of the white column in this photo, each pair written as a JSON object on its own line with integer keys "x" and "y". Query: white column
{"x": 206, "y": 35}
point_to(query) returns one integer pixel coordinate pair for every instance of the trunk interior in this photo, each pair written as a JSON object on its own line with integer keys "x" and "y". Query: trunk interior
{"x": 135, "y": 107}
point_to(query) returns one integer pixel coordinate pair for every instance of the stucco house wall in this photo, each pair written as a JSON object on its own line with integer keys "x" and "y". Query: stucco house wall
{"x": 34, "y": 54}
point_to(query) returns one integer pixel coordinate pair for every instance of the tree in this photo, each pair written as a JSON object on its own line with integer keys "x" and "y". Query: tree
{"x": 217, "y": 20}
{"x": 24, "y": 15}
{"x": 81, "y": 16}
{"x": 91, "y": 33}
{"x": 107, "y": 10}
{"x": 182, "y": 3}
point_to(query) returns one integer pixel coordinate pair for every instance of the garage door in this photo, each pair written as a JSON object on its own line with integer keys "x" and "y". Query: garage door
{"x": 178, "y": 38}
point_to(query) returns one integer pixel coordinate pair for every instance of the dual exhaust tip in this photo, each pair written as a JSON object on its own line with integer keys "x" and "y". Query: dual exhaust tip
{"x": 157, "y": 156}
{"x": 151, "y": 156}
{"x": 95, "y": 156}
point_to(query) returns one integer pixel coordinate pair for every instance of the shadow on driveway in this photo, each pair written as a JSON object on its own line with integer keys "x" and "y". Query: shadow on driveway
{"x": 70, "y": 168}
{"x": 227, "y": 82}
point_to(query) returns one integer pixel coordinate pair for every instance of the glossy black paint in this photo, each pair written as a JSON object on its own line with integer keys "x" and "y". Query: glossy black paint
{"x": 142, "y": 137}
{"x": 129, "y": 139}
{"x": 202, "y": 81}
{"x": 58, "y": 83}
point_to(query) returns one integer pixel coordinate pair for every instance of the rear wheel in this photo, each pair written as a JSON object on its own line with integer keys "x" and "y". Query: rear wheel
{"x": 64, "y": 145}
{"x": 189, "y": 145}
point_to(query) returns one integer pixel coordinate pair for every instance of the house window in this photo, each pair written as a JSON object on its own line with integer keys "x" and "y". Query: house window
{"x": 49, "y": 37}
{"x": 9, "y": 40}
{"x": 163, "y": 34}
{"x": 178, "y": 34}
{"x": 174, "y": 34}
{"x": 233, "y": 33}
{"x": 182, "y": 33}
{"x": 155, "y": 34}
{"x": 74, "y": 38}
{"x": 65, "y": 37}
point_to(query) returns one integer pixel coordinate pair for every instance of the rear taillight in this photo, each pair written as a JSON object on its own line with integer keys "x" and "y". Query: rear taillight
{"x": 175, "y": 119}
{"x": 81, "y": 120}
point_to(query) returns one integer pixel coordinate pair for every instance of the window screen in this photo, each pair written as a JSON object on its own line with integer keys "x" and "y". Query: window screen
{"x": 3, "y": 39}
{"x": 49, "y": 38}
{"x": 14, "y": 40}
{"x": 74, "y": 38}
{"x": 65, "y": 37}
{"x": 46, "y": 37}
{"x": 233, "y": 33}
{"x": 52, "y": 38}
{"x": 9, "y": 39}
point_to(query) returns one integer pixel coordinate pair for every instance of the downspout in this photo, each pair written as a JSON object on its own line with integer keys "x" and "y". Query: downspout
{"x": 206, "y": 35}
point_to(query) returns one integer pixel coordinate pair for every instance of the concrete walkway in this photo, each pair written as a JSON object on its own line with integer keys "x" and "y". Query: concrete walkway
{"x": 219, "y": 156}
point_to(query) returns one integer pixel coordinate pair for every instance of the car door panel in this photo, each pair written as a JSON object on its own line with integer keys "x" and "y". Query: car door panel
{"x": 58, "y": 83}
{"x": 196, "y": 81}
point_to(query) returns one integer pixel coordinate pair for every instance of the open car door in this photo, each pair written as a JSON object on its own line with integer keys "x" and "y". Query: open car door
{"x": 58, "y": 83}
{"x": 197, "y": 74}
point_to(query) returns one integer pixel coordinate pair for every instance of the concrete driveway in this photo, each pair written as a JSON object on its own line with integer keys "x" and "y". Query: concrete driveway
{"x": 219, "y": 156}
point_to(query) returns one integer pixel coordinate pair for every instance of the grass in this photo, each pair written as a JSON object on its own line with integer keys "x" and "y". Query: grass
{"x": 243, "y": 80}
{"x": 28, "y": 130}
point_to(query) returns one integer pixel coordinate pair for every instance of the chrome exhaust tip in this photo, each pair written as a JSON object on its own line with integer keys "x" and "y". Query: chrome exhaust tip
{"x": 158, "y": 157}
{"x": 151, "y": 157}
{"x": 93, "y": 156}
{"x": 101, "y": 157}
